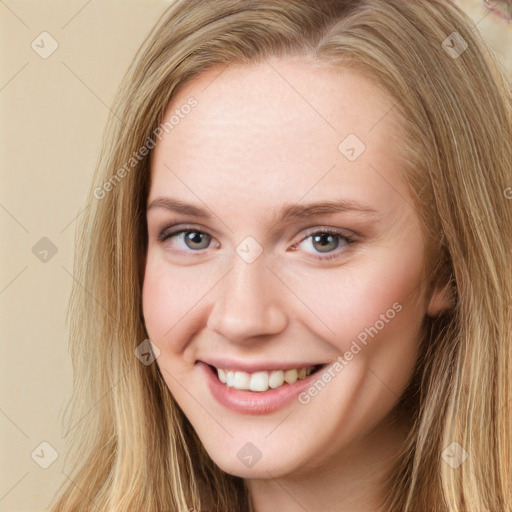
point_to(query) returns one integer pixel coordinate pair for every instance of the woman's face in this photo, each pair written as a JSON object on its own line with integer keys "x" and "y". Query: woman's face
{"x": 282, "y": 236}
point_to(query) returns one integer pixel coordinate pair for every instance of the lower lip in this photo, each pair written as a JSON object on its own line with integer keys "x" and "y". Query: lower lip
{"x": 255, "y": 402}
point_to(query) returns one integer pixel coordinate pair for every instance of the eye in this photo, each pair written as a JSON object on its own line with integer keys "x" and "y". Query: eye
{"x": 326, "y": 241}
{"x": 189, "y": 239}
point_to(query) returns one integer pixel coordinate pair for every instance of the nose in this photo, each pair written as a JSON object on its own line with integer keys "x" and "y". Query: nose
{"x": 249, "y": 302}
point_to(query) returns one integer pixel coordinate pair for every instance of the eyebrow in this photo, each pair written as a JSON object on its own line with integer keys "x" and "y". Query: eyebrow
{"x": 288, "y": 212}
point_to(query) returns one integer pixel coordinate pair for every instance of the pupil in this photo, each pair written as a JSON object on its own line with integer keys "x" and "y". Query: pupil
{"x": 325, "y": 239}
{"x": 195, "y": 238}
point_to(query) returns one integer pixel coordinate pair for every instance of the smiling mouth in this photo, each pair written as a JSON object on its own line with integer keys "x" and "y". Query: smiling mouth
{"x": 262, "y": 381}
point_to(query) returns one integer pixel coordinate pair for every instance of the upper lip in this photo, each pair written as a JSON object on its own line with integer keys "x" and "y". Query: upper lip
{"x": 230, "y": 364}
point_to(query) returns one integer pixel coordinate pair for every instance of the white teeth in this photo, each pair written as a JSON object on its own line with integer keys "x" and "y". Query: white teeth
{"x": 242, "y": 380}
{"x": 263, "y": 380}
{"x": 259, "y": 381}
{"x": 291, "y": 376}
{"x": 276, "y": 379}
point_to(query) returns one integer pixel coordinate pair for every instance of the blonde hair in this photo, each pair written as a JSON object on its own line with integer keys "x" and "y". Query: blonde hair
{"x": 130, "y": 446}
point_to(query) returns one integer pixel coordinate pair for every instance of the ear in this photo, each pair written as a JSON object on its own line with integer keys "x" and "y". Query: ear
{"x": 442, "y": 298}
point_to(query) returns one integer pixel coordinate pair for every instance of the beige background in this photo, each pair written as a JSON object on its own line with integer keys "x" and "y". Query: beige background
{"x": 53, "y": 112}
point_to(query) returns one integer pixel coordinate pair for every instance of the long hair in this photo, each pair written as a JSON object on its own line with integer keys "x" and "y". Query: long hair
{"x": 130, "y": 446}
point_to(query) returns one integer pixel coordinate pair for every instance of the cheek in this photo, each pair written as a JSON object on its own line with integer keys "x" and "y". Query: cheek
{"x": 373, "y": 307}
{"x": 158, "y": 303}
{"x": 172, "y": 297}
{"x": 166, "y": 305}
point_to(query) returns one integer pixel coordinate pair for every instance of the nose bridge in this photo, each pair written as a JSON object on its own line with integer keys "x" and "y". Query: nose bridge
{"x": 249, "y": 302}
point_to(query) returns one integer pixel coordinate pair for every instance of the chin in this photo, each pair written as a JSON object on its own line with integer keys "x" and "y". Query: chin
{"x": 250, "y": 462}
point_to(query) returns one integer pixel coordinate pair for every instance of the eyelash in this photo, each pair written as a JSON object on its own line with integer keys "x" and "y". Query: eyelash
{"x": 164, "y": 235}
{"x": 329, "y": 231}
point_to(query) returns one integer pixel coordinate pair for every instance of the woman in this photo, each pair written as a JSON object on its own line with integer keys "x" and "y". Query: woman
{"x": 340, "y": 337}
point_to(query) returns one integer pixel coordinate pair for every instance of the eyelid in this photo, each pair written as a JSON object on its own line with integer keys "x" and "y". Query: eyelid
{"x": 169, "y": 230}
{"x": 344, "y": 233}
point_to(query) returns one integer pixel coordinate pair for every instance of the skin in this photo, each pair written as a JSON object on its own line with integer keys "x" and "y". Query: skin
{"x": 261, "y": 137}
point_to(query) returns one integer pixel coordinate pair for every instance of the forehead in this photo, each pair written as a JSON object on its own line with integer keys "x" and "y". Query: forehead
{"x": 277, "y": 132}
